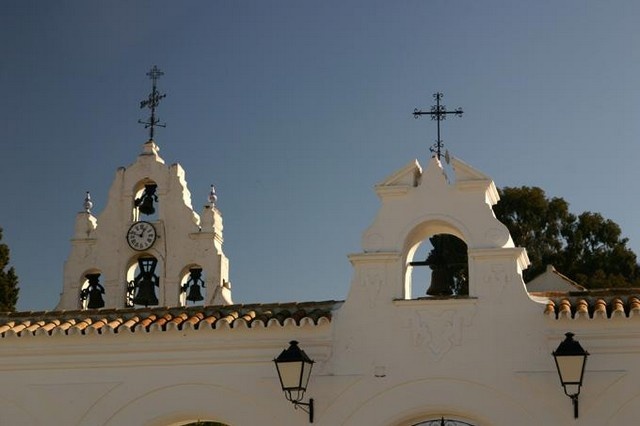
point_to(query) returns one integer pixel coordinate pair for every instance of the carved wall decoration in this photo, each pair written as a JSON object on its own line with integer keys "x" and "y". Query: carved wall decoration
{"x": 373, "y": 283}
{"x": 497, "y": 274}
{"x": 497, "y": 236}
{"x": 441, "y": 330}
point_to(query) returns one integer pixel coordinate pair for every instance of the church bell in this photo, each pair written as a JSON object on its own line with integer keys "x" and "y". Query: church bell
{"x": 193, "y": 283}
{"x": 442, "y": 283}
{"x": 146, "y": 282}
{"x": 146, "y": 200}
{"x": 146, "y": 295}
{"x": 94, "y": 292}
{"x": 195, "y": 295}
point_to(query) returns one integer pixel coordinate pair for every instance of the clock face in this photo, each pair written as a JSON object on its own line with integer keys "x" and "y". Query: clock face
{"x": 141, "y": 236}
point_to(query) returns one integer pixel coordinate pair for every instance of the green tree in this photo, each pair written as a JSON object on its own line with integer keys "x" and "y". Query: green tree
{"x": 537, "y": 223}
{"x": 587, "y": 248}
{"x": 597, "y": 256}
{"x": 8, "y": 281}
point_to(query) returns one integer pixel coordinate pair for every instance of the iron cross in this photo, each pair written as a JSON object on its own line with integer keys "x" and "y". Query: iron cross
{"x": 152, "y": 102}
{"x": 438, "y": 113}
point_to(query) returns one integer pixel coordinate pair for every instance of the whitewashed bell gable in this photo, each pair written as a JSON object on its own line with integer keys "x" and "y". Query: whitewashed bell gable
{"x": 184, "y": 238}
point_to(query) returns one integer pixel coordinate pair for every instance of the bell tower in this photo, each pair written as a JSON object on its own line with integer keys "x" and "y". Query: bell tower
{"x": 148, "y": 246}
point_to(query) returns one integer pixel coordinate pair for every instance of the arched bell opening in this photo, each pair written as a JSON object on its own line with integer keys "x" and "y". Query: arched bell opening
{"x": 91, "y": 294}
{"x": 145, "y": 203}
{"x": 192, "y": 286}
{"x": 204, "y": 423}
{"x": 143, "y": 281}
{"x": 437, "y": 262}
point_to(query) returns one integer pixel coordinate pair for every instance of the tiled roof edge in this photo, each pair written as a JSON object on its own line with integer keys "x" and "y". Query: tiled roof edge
{"x": 593, "y": 307}
{"x": 161, "y": 319}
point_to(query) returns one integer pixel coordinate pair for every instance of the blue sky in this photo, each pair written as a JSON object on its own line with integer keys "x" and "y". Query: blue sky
{"x": 294, "y": 110}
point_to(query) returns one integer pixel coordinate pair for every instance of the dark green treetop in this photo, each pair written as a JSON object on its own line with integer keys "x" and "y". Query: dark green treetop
{"x": 587, "y": 248}
{"x": 8, "y": 281}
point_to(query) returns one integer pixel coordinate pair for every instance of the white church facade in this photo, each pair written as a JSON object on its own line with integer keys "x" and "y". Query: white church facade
{"x": 124, "y": 346}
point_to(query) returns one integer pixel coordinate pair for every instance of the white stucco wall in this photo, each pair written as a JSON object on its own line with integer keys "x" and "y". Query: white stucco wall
{"x": 383, "y": 359}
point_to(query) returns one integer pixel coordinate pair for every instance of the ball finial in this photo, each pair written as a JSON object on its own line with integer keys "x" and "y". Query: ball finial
{"x": 212, "y": 196}
{"x": 88, "y": 204}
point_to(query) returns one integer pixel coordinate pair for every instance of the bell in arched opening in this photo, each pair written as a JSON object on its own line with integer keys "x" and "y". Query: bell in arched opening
{"x": 442, "y": 283}
{"x": 145, "y": 282}
{"x": 449, "y": 266}
{"x": 146, "y": 200}
{"x": 91, "y": 296}
{"x": 193, "y": 285}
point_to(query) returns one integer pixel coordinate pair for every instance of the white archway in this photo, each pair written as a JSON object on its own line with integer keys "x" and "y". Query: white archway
{"x": 472, "y": 402}
{"x": 180, "y": 404}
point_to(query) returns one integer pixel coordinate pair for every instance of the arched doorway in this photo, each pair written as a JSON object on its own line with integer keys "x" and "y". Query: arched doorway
{"x": 442, "y": 421}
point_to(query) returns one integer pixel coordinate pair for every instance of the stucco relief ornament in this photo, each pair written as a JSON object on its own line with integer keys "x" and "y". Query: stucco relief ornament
{"x": 439, "y": 331}
{"x": 497, "y": 236}
{"x": 497, "y": 274}
{"x": 372, "y": 284}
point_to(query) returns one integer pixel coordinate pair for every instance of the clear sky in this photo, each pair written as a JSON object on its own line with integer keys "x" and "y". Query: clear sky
{"x": 295, "y": 109}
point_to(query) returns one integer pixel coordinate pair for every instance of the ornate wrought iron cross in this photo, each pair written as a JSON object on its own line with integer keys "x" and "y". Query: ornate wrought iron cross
{"x": 152, "y": 102}
{"x": 438, "y": 113}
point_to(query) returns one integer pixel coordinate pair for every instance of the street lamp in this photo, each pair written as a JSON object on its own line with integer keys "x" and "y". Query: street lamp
{"x": 294, "y": 371}
{"x": 570, "y": 360}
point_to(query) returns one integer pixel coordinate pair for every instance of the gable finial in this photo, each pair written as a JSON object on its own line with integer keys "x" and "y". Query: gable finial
{"x": 88, "y": 204}
{"x": 212, "y": 196}
{"x": 438, "y": 113}
{"x": 152, "y": 102}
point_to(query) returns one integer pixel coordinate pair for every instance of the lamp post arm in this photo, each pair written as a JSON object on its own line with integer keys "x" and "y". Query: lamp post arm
{"x": 307, "y": 407}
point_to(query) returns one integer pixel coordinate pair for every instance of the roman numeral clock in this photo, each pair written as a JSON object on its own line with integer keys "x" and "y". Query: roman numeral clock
{"x": 141, "y": 235}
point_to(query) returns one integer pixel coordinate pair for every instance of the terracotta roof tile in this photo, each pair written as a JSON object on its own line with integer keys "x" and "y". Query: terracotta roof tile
{"x": 109, "y": 321}
{"x": 594, "y": 305}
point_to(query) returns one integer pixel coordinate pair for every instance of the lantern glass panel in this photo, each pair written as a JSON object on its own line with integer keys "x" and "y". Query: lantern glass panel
{"x": 290, "y": 374}
{"x": 306, "y": 374}
{"x": 570, "y": 368}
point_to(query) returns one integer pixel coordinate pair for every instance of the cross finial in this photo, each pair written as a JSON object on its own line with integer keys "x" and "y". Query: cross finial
{"x": 438, "y": 113}
{"x": 152, "y": 102}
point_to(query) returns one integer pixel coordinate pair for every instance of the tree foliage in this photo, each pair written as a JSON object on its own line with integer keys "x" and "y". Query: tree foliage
{"x": 587, "y": 248}
{"x": 8, "y": 281}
